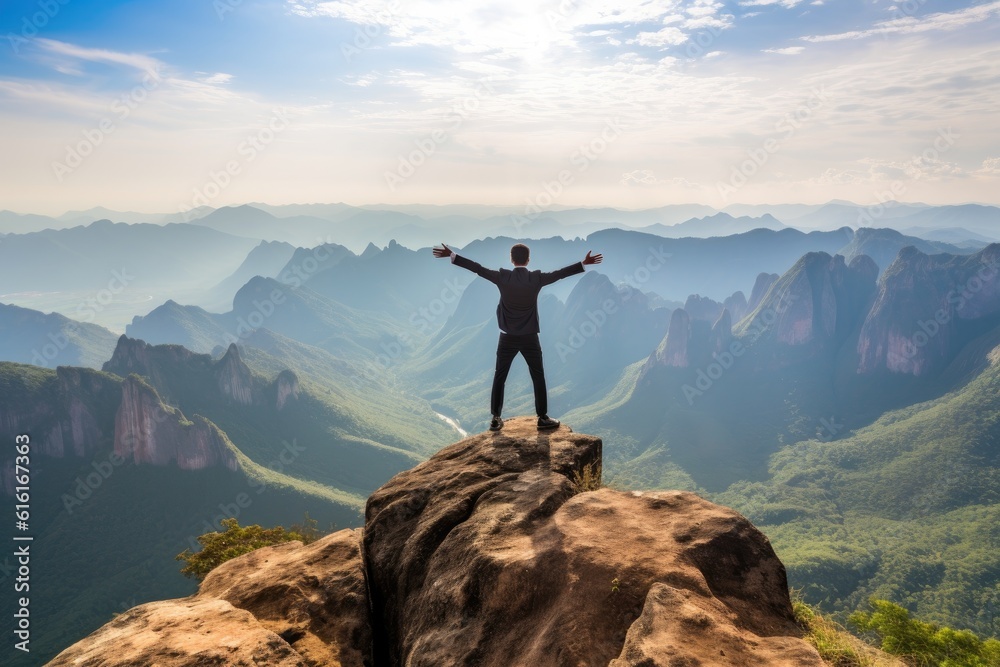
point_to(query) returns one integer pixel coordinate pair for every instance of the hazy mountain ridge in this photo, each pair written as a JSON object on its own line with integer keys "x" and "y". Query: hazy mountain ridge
{"x": 174, "y": 256}
{"x": 30, "y": 337}
{"x": 298, "y": 312}
{"x": 418, "y": 225}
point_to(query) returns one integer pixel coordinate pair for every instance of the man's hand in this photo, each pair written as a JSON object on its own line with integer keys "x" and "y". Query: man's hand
{"x": 444, "y": 251}
{"x": 589, "y": 259}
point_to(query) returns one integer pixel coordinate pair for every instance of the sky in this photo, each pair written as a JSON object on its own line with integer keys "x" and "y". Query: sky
{"x": 164, "y": 105}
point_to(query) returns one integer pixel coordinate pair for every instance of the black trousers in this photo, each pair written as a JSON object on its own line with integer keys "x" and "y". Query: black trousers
{"x": 531, "y": 350}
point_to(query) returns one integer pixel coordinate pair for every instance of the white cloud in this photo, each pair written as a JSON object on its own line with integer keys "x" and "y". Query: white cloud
{"x": 217, "y": 78}
{"x": 137, "y": 60}
{"x": 648, "y": 178}
{"x": 787, "y": 51}
{"x": 879, "y": 171}
{"x": 520, "y": 30}
{"x": 991, "y": 167}
{"x": 910, "y": 25}
{"x": 668, "y": 36}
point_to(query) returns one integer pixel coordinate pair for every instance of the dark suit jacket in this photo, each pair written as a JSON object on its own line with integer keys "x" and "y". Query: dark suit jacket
{"x": 517, "y": 312}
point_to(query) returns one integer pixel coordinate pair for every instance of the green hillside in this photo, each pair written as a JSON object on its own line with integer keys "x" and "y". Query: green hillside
{"x": 115, "y": 548}
{"x": 907, "y": 509}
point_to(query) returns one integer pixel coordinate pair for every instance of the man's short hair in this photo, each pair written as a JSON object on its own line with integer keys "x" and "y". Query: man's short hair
{"x": 519, "y": 254}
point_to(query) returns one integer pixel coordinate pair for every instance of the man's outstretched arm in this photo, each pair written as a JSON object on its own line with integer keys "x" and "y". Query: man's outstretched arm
{"x": 446, "y": 252}
{"x": 571, "y": 270}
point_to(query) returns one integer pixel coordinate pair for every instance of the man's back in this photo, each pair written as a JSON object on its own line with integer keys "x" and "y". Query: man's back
{"x": 517, "y": 312}
{"x": 517, "y": 315}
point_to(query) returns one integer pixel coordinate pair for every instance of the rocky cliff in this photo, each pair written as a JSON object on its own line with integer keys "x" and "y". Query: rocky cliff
{"x": 67, "y": 412}
{"x": 173, "y": 371}
{"x": 927, "y": 308}
{"x": 815, "y": 304}
{"x": 234, "y": 378}
{"x": 147, "y": 431}
{"x": 492, "y": 553}
{"x": 761, "y": 286}
{"x": 673, "y": 349}
{"x": 154, "y": 362}
{"x": 702, "y": 308}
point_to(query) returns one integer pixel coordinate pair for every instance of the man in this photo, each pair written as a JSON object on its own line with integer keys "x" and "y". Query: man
{"x": 517, "y": 315}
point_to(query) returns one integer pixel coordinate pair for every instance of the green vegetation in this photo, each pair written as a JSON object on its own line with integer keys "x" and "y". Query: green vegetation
{"x": 924, "y": 644}
{"x": 236, "y": 540}
{"x": 907, "y": 509}
{"x": 834, "y": 643}
{"x": 125, "y": 533}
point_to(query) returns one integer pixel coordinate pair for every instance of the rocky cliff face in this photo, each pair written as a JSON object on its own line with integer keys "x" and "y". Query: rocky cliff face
{"x": 618, "y": 324}
{"x": 79, "y": 412}
{"x": 737, "y": 306}
{"x": 760, "y": 288}
{"x": 927, "y": 308}
{"x": 673, "y": 349}
{"x": 286, "y": 386}
{"x": 132, "y": 355}
{"x": 702, "y": 308}
{"x": 147, "y": 431}
{"x": 815, "y": 305}
{"x": 490, "y": 555}
{"x": 73, "y": 419}
{"x": 172, "y": 370}
{"x": 234, "y": 378}
{"x": 693, "y": 341}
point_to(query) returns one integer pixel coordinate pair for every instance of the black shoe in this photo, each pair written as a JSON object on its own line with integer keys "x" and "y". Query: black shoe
{"x": 496, "y": 423}
{"x": 545, "y": 423}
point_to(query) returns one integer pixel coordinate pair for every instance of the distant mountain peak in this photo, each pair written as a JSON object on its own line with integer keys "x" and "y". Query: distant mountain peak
{"x": 925, "y": 304}
{"x": 370, "y": 249}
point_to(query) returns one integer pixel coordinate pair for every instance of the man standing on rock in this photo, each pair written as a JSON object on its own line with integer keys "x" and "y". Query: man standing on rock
{"x": 517, "y": 316}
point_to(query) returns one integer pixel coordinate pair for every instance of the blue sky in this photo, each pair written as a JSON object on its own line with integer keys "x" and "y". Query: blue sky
{"x": 159, "y": 105}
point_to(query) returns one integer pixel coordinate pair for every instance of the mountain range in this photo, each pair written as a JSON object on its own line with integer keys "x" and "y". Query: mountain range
{"x": 837, "y": 387}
